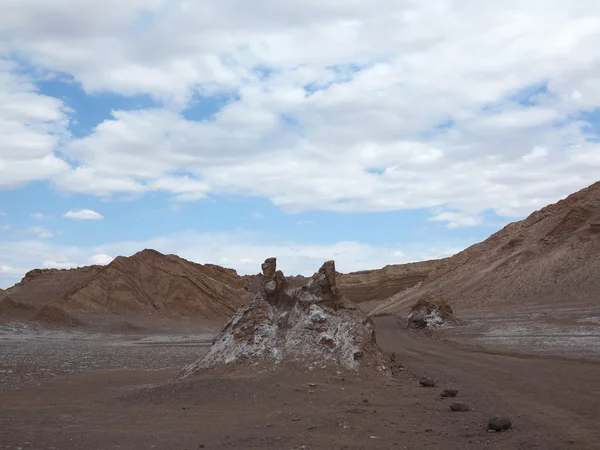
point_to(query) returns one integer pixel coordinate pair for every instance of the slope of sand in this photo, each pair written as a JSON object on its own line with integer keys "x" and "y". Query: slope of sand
{"x": 550, "y": 258}
{"x": 145, "y": 283}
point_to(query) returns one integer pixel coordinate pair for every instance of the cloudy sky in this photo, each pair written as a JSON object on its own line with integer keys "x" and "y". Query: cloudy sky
{"x": 227, "y": 131}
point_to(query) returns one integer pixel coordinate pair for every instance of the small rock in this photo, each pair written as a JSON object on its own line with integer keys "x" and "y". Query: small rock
{"x": 460, "y": 407}
{"x": 356, "y": 410}
{"x": 296, "y": 419}
{"x": 311, "y": 427}
{"x": 427, "y": 382}
{"x": 312, "y": 385}
{"x": 449, "y": 393}
{"x": 499, "y": 424}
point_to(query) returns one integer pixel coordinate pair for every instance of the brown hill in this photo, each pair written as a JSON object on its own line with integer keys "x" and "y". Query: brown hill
{"x": 147, "y": 282}
{"x": 368, "y": 288}
{"x": 40, "y": 287}
{"x": 550, "y": 258}
{"x": 11, "y": 309}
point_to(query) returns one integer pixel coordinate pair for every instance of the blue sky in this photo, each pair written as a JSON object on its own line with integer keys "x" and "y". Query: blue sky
{"x": 307, "y": 131}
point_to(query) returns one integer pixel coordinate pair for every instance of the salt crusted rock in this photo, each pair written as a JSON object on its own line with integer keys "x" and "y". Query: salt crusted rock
{"x": 309, "y": 326}
{"x": 430, "y": 313}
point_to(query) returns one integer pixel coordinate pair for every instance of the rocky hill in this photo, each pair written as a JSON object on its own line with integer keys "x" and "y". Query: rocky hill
{"x": 550, "y": 258}
{"x": 147, "y": 282}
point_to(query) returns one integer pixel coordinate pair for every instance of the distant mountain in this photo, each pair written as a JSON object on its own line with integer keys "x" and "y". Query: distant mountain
{"x": 147, "y": 282}
{"x": 550, "y": 258}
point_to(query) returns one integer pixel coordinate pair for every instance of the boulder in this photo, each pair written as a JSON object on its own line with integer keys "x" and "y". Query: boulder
{"x": 427, "y": 382}
{"x": 459, "y": 407}
{"x": 430, "y": 313}
{"x": 499, "y": 423}
{"x": 449, "y": 393}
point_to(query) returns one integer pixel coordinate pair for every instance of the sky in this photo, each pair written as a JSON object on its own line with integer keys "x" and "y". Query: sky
{"x": 228, "y": 131}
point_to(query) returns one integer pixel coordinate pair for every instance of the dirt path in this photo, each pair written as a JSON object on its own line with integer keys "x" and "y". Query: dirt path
{"x": 550, "y": 394}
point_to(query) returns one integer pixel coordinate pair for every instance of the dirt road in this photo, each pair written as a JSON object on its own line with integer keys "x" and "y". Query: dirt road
{"x": 546, "y": 393}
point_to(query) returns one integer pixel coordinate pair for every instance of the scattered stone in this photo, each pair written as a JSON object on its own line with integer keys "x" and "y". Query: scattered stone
{"x": 449, "y": 393}
{"x": 499, "y": 423}
{"x": 427, "y": 382}
{"x": 312, "y": 385}
{"x": 296, "y": 419}
{"x": 311, "y": 427}
{"x": 342, "y": 424}
{"x": 459, "y": 407}
{"x": 356, "y": 410}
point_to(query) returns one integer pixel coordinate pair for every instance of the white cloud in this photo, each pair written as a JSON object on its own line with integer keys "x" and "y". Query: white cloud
{"x": 41, "y": 232}
{"x": 6, "y": 227}
{"x": 83, "y": 214}
{"x": 457, "y": 219}
{"x": 343, "y": 106}
{"x": 536, "y": 154}
{"x": 31, "y": 125}
{"x": 51, "y": 264}
{"x": 100, "y": 260}
{"x": 38, "y": 216}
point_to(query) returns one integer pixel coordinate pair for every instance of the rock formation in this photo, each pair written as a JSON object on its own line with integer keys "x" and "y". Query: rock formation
{"x": 310, "y": 326}
{"x": 551, "y": 258}
{"x": 430, "y": 313}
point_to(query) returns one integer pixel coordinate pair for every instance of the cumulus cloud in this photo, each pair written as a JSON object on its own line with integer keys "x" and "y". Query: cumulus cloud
{"x": 38, "y": 216}
{"x": 330, "y": 105}
{"x": 31, "y": 125}
{"x": 83, "y": 214}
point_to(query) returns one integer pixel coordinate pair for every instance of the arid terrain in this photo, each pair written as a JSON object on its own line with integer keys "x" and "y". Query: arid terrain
{"x": 92, "y": 358}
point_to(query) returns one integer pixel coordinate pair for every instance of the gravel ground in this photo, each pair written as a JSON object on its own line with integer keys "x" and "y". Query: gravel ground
{"x": 564, "y": 332}
{"x": 29, "y": 357}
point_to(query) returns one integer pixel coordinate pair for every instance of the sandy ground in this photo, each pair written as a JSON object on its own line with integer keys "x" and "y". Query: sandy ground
{"x": 71, "y": 391}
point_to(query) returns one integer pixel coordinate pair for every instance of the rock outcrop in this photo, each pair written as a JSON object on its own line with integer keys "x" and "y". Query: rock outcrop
{"x": 310, "y": 326}
{"x": 430, "y": 313}
{"x": 551, "y": 258}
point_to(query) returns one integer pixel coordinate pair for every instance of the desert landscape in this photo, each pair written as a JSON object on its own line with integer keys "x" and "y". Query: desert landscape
{"x": 496, "y": 347}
